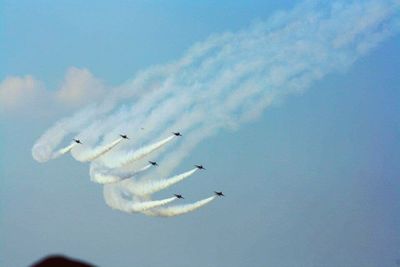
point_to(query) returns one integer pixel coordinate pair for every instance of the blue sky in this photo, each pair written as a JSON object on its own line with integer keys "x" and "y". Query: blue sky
{"x": 312, "y": 182}
{"x": 104, "y": 36}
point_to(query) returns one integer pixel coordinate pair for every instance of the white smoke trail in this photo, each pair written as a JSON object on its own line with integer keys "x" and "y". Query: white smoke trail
{"x": 115, "y": 201}
{"x": 91, "y": 154}
{"x": 105, "y": 176}
{"x": 148, "y": 187}
{"x": 143, "y": 206}
{"x": 179, "y": 209}
{"x": 230, "y": 78}
{"x": 43, "y": 149}
{"x": 146, "y": 81}
{"x": 63, "y": 150}
{"x": 126, "y": 158}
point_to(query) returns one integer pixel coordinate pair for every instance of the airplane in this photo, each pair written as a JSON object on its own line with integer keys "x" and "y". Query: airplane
{"x": 154, "y": 163}
{"x": 177, "y": 133}
{"x": 178, "y": 196}
{"x": 200, "y": 167}
{"x": 124, "y": 136}
{"x": 220, "y": 194}
{"x": 77, "y": 141}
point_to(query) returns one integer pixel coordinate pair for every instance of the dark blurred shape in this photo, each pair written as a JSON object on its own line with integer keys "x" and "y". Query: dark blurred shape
{"x": 60, "y": 261}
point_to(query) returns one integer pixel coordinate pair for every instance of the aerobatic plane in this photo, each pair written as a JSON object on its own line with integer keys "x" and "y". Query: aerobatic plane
{"x": 200, "y": 167}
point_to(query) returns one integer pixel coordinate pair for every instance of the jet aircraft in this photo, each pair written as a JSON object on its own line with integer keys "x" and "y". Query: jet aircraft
{"x": 200, "y": 167}
{"x": 124, "y": 136}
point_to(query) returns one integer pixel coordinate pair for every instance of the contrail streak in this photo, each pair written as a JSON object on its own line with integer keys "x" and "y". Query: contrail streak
{"x": 107, "y": 176}
{"x": 230, "y": 78}
{"x": 128, "y": 157}
{"x": 147, "y": 187}
{"x": 92, "y": 154}
{"x": 147, "y": 80}
{"x": 115, "y": 201}
{"x": 44, "y": 146}
{"x": 179, "y": 209}
{"x": 143, "y": 206}
{"x": 221, "y": 83}
{"x": 64, "y": 150}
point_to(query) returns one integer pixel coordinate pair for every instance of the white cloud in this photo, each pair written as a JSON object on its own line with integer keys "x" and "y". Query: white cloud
{"x": 80, "y": 87}
{"x": 26, "y": 94}
{"x": 20, "y": 93}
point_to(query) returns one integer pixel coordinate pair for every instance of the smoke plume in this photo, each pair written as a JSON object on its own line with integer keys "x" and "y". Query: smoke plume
{"x": 178, "y": 209}
{"x": 220, "y": 83}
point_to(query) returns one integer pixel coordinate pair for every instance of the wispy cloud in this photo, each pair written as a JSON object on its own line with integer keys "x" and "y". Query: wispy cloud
{"x": 19, "y": 93}
{"x": 28, "y": 95}
{"x": 79, "y": 88}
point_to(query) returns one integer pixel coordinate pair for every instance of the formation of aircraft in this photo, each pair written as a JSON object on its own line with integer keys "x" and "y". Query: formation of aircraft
{"x": 154, "y": 163}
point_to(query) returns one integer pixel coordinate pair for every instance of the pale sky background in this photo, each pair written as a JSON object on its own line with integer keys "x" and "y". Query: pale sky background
{"x": 313, "y": 182}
